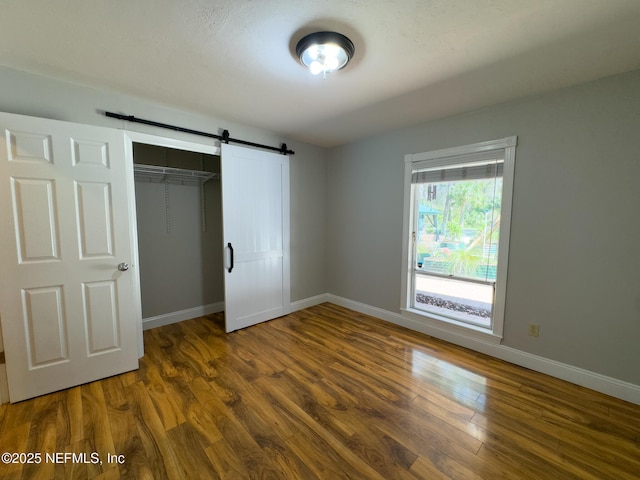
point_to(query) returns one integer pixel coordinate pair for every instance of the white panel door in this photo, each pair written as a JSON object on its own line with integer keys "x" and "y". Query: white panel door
{"x": 255, "y": 202}
{"x": 68, "y": 310}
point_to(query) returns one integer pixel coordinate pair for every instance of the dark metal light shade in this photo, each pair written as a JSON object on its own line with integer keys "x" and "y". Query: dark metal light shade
{"x": 324, "y": 52}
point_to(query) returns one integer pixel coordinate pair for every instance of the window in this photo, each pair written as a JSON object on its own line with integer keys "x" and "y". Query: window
{"x": 457, "y": 215}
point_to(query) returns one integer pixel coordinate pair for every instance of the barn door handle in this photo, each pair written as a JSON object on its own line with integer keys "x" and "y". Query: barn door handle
{"x": 231, "y": 256}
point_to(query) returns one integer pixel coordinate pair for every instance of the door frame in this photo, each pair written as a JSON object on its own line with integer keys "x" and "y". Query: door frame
{"x": 130, "y": 138}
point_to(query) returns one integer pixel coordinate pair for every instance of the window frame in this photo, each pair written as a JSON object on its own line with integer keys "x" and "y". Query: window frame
{"x": 444, "y": 157}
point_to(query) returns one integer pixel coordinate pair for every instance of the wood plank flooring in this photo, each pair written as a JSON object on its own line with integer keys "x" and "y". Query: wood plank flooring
{"x": 322, "y": 393}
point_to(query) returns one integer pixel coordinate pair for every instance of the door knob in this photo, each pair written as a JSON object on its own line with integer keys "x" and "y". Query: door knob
{"x": 123, "y": 267}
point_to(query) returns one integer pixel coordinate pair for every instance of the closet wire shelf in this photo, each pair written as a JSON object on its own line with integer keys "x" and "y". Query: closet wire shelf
{"x": 177, "y": 176}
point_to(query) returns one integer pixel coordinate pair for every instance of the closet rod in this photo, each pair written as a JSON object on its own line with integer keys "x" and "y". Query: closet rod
{"x": 224, "y": 137}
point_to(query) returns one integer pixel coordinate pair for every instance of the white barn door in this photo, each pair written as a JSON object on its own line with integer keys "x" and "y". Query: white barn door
{"x": 67, "y": 289}
{"x": 255, "y": 202}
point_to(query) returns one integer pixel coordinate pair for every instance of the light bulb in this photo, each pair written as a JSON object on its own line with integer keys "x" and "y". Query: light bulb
{"x": 316, "y": 67}
{"x": 332, "y": 63}
{"x": 313, "y": 52}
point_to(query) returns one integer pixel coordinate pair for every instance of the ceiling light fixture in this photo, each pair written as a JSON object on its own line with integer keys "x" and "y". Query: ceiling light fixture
{"x": 324, "y": 52}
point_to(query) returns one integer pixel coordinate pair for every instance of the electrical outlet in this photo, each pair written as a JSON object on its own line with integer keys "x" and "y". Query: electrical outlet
{"x": 534, "y": 329}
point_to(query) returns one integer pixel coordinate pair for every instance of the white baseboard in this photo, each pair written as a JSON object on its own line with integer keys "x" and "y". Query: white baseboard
{"x": 585, "y": 378}
{"x": 309, "y": 302}
{"x": 175, "y": 317}
{"x": 179, "y": 316}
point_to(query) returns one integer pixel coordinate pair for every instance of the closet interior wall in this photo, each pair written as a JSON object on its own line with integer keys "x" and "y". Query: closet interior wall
{"x": 179, "y": 234}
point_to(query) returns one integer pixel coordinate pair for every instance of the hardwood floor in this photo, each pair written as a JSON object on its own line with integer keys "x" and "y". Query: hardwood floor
{"x": 322, "y": 393}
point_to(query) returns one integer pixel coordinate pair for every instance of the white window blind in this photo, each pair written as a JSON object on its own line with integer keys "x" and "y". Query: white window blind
{"x": 465, "y": 167}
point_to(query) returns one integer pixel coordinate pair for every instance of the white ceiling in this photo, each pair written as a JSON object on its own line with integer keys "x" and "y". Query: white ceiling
{"x": 415, "y": 60}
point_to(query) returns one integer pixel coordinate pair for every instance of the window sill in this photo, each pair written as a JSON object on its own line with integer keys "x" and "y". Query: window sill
{"x": 450, "y": 326}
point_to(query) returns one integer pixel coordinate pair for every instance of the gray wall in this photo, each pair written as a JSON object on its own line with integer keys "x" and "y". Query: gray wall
{"x": 28, "y": 94}
{"x": 574, "y": 263}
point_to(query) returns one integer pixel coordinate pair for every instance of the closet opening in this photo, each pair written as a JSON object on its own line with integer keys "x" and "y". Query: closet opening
{"x": 179, "y": 226}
